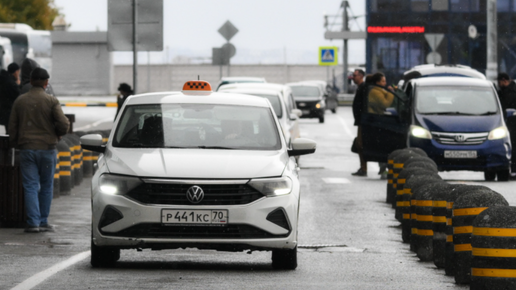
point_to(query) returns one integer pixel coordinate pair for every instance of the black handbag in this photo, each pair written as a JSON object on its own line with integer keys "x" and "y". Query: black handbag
{"x": 354, "y": 147}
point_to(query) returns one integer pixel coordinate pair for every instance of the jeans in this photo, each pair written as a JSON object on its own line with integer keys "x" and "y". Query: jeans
{"x": 37, "y": 168}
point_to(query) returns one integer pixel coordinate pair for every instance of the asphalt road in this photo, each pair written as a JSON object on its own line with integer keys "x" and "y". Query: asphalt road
{"x": 348, "y": 236}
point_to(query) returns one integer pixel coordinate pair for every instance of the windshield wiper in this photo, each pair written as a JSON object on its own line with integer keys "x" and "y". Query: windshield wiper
{"x": 215, "y": 147}
{"x": 487, "y": 113}
{"x": 449, "y": 113}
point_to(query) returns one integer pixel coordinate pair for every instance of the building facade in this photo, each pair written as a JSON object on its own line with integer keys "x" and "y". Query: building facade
{"x": 405, "y": 33}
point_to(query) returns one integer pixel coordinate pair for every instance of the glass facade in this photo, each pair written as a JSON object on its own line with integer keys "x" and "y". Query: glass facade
{"x": 442, "y": 35}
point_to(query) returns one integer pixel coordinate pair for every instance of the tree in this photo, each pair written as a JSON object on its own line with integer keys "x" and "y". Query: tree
{"x": 39, "y": 14}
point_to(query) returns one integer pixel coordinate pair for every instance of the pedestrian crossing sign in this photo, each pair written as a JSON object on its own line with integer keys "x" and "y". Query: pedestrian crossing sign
{"x": 328, "y": 55}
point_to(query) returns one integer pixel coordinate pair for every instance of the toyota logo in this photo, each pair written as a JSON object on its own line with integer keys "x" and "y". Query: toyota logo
{"x": 460, "y": 138}
{"x": 195, "y": 194}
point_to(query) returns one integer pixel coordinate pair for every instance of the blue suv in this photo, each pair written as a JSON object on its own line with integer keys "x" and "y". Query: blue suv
{"x": 457, "y": 120}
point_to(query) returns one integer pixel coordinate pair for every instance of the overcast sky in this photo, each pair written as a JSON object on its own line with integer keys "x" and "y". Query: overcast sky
{"x": 269, "y": 30}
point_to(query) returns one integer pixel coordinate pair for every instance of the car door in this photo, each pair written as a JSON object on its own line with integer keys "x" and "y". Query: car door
{"x": 384, "y": 123}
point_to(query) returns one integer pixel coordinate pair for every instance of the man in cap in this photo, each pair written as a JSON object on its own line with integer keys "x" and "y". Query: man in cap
{"x": 507, "y": 92}
{"x": 36, "y": 123}
{"x": 9, "y": 91}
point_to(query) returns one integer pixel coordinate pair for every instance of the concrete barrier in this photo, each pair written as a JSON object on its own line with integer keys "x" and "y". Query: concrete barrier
{"x": 405, "y": 175}
{"x": 493, "y": 241}
{"x": 439, "y": 223}
{"x": 465, "y": 209}
{"x": 412, "y": 186}
{"x": 65, "y": 167}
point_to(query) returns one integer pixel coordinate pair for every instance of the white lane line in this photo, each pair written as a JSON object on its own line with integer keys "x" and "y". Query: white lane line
{"x": 336, "y": 180}
{"x": 346, "y": 128}
{"x": 43, "y": 275}
{"x": 95, "y": 124}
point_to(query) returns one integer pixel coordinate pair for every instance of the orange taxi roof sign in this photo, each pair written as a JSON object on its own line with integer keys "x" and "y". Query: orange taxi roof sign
{"x": 197, "y": 86}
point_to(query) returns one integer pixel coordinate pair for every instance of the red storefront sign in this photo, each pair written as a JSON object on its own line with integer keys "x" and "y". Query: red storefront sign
{"x": 396, "y": 29}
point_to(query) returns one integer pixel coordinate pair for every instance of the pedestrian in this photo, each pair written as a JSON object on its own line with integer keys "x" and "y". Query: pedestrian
{"x": 379, "y": 98}
{"x": 358, "y": 107}
{"x": 28, "y": 65}
{"x": 124, "y": 92}
{"x": 507, "y": 91}
{"x": 9, "y": 91}
{"x": 35, "y": 125}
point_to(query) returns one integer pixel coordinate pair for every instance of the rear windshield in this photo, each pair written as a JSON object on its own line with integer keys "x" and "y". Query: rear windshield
{"x": 275, "y": 102}
{"x": 456, "y": 101}
{"x": 201, "y": 126}
{"x": 305, "y": 92}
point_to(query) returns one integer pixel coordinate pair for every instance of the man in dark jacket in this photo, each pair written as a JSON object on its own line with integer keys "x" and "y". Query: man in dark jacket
{"x": 36, "y": 123}
{"x": 507, "y": 92}
{"x": 358, "y": 107}
{"x": 9, "y": 91}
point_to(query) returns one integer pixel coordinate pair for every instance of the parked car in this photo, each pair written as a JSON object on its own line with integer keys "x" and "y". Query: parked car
{"x": 309, "y": 99}
{"x": 288, "y": 100}
{"x": 330, "y": 97}
{"x": 287, "y": 120}
{"x": 239, "y": 80}
{"x": 458, "y": 121}
{"x": 196, "y": 169}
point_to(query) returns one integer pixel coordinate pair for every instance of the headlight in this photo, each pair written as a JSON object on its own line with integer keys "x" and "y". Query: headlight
{"x": 318, "y": 105}
{"x": 420, "y": 132}
{"x": 498, "y": 133}
{"x": 272, "y": 186}
{"x": 116, "y": 184}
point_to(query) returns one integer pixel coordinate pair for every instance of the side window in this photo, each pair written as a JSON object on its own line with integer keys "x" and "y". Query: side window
{"x": 291, "y": 103}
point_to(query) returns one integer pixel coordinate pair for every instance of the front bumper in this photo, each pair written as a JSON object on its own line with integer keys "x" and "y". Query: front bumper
{"x": 491, "y": 154}
{"x": 247, "y": 228}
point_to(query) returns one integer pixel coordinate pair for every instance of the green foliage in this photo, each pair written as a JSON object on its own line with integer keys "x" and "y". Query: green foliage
{"x": 39, "y": 14}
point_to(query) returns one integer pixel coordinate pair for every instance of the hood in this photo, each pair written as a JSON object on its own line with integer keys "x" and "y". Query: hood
{"x": 196, "y": 163}
{"x": 462, "y": 124}
{"x": 26, "y": 68}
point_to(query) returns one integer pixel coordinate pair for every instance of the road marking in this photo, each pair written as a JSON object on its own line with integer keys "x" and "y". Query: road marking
{"x": 43, "y": 275}
{"x": 336, "y": 180}
{"x": 346, "y": 128}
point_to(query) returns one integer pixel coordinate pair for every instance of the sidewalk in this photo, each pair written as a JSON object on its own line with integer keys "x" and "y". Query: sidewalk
{"x": 25, "y": 254}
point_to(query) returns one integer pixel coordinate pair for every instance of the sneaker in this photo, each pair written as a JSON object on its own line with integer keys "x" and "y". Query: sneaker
{"x": 47, "y": 228}
{"x": 360, "y": 172}
{"x": 32, "y": 230}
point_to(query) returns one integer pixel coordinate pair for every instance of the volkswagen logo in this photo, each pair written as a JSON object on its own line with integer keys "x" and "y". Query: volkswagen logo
{"x": 195, "y": 194}
{"x": 460, "y": 138}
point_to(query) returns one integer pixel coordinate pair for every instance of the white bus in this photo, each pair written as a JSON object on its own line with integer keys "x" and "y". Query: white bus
{"x": 28, "y": 43}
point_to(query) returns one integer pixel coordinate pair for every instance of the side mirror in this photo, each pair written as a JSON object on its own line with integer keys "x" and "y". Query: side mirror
{"x": 302, "y": 146}
{"x": 93, "y": 142}
{"x": 297, "y": 112}
{"x": 509, "y": 112}
{"x": 293, "y": 117}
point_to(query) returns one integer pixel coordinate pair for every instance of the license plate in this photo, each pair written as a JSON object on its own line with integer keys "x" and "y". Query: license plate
{"x": 305, "y": 112}
{"x": 460, "y": 154}
{"x": 193, "y": 217}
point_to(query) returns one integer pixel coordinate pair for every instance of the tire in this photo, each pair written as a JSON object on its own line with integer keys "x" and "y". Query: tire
{"x": 284, "y": 259}
{"x": 103, "y": 257}
{"x": 321, "y": 119}
{"x": 489, "y": 175}
{"x": 334, "y": 110}
{"x": 503, "y": 175}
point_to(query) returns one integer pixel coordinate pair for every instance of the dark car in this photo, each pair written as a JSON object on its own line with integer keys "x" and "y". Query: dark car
{"x": 458, "y": 121}
{"x": 309, "y": 99}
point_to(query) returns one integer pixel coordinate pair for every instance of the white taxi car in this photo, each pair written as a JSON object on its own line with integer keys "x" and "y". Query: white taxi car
{"x": 196, "y": 169}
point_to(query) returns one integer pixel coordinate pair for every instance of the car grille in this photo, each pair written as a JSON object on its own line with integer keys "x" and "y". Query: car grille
{"x": 157, "y": 230}
{"x": 175, "y": 194}
{"x": 460, "y": 138}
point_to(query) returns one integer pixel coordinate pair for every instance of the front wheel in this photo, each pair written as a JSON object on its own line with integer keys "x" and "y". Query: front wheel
{"x": 284, "y": 259}
{"x": 321, "y": 119}
{"x": 503, "y": 175}
{"x": 103, "y": 257}
{"x": 489, "y": 175}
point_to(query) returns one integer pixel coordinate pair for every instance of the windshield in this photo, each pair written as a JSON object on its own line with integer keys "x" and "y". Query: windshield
{"x": 456, "y": 100}
{"x": 305, "y": 92}
{"x": 200, "y": 126}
